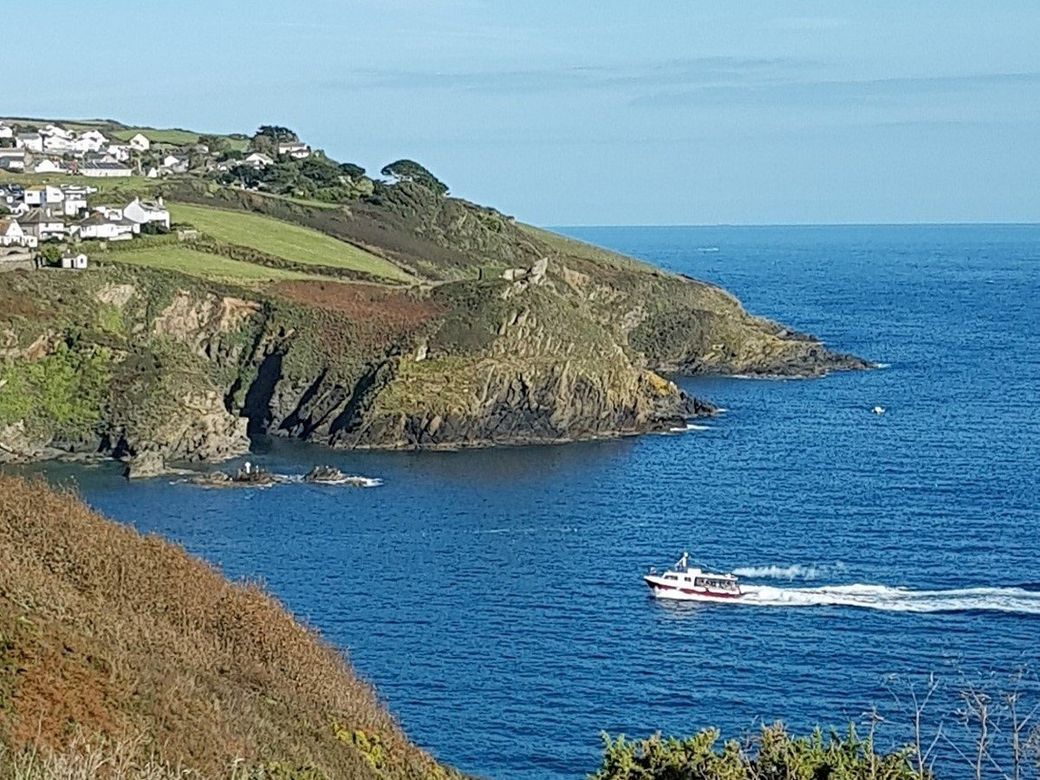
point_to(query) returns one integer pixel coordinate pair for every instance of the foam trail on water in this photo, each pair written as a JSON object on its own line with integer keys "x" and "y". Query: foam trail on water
{"x": 794, "y": 572}
{"x": 882, "y": 597}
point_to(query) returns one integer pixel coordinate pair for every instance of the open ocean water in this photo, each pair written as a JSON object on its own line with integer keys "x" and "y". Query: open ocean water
{"x": 494, "y": 597}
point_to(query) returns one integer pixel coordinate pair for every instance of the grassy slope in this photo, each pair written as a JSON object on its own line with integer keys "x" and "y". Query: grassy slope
{"x": 139, "y": 185}
{"x": 291, "y": 242}
{"x": 206, "y": 266}
{"x": 106, "y": 634}
{"x": 570, "y": 247}
{"x": 121, "y": 132}
{"x": 172, "y": 137}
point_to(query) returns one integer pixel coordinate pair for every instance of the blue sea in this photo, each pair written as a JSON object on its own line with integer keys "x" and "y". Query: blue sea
{"x": 494, "y": 598}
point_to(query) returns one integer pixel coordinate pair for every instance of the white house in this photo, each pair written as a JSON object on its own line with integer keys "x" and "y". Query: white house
{"x": 6, "y": 131}
{"x": 140, "y": 143}
{"x": 81, "y": 190}
{"x": 152, "y": 173}
{"x": 46, "y": 195}
{"x": 76, "y": 262}
{"x": 258, "y": 160}
{"x": 57, "y": 131}
{"x": 47, "y": 165}
{"x": 173, "y": 163}
{"x": 294, "y": 149}
{"x": 98, "y": 226}
{"x": 12, "y": 234}
{"x": 43, "y": 224}
{"x": 144, "y": 212}
{"x": 105, "y": 169}
{"x": 90, "y": 141}
{"x": 57, "y": 143}
{"x": 12, "y": 159}
{"x": 32, "y": 142}
{"x": 120, "y": 151}
{"x": 74, "y": 204}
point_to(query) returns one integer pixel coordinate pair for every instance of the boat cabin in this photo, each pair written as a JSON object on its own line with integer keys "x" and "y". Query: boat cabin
{"x": 725, "y": 583}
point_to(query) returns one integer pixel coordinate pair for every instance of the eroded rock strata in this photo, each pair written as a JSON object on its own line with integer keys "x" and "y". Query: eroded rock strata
{"x": 510, "y": 335}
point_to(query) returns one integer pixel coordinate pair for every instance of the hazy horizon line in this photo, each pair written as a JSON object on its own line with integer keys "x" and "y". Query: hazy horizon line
{"x": 964, "y": 223}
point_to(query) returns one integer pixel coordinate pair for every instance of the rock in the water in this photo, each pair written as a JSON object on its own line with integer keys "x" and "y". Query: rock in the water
{"x": 330, "y": 475}
{"x": 246, "y": 476}
{"x": 143, "y": 465}
{"x": 324, "y": 474}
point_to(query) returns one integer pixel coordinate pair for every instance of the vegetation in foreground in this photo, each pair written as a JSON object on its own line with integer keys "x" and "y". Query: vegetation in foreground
{"x": 123, "y": 657}
{"x": 982, "y": 727}
{"x": 775, "y": 755}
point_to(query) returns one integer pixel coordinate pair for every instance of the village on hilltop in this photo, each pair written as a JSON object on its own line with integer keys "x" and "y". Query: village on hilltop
{"x": 43, "y": 224}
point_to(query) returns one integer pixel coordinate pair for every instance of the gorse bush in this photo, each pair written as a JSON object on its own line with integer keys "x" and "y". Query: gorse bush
{"x": 773, "y": 755}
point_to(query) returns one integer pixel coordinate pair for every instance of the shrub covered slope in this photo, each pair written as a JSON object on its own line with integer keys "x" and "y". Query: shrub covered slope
{"x": 113, "y": 644}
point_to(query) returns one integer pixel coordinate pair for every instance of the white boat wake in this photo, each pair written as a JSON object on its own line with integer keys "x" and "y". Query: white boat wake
{"x": 794, "y": 572}
{"x": 882, "y": 597}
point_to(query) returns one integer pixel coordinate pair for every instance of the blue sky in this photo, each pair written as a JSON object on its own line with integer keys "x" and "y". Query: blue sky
{"x": 666, "y": 112}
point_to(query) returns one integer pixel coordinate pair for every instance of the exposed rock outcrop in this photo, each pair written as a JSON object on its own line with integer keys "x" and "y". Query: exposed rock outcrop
{"x": 563, "y": 343}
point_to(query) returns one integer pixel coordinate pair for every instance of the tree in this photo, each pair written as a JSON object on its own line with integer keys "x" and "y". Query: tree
{"x": 351, "y": 171}
{"x": 267, "y": 138}
{"x": 321, "y": 171}
{"x": 217, "y": 144}
{"x": 409, "y": 170}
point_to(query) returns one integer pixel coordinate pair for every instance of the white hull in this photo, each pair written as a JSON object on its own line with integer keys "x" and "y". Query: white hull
{"x": 670, "y": 590}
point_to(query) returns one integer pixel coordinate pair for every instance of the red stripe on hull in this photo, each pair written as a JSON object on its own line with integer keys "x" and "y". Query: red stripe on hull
{"x": 692, "y": 591}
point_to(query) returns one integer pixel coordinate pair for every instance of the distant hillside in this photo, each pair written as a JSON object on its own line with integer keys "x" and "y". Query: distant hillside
{"x": 121, "y": 651}
{"x": 298, "y": 296}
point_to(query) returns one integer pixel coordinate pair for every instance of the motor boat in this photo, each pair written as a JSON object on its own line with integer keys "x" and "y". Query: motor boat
{"x": 688, "y": 583}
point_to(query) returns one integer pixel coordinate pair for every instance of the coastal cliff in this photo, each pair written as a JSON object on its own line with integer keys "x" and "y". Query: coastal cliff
{"x": 447, "y": 325}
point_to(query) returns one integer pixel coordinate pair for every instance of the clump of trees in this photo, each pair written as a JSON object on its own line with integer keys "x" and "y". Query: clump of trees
{"x": 267, "y": 138}
{"x": 316, "y": 177}
{"x": 410, "y": 170}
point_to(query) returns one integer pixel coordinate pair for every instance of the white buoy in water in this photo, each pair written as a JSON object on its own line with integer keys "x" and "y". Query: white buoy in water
{"x": 878, "y": 410}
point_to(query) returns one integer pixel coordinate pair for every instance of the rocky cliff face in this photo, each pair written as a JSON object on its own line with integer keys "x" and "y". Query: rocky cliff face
{"x": 155, "y": 367}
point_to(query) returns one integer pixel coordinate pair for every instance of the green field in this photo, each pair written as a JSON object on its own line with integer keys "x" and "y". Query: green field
{"x": 137, "y": 185}
{"x": 206, "y": 266}
{"x": 173, "y": 137}
{"x": 283, "y": 239}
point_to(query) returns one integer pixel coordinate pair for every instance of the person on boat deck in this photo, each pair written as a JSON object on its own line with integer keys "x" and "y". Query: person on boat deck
{"x": 681, "y": 565}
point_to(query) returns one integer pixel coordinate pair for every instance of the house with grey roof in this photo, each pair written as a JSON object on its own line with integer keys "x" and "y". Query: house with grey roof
{"x": 32, "y": 142}
{"x": 12, "y": 160}
{"x": 43, "y": 223}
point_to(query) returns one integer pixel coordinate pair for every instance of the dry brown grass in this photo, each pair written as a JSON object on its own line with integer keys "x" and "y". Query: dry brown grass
{"x": 112, "y": 635}
{"x": 397, "y": 308}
